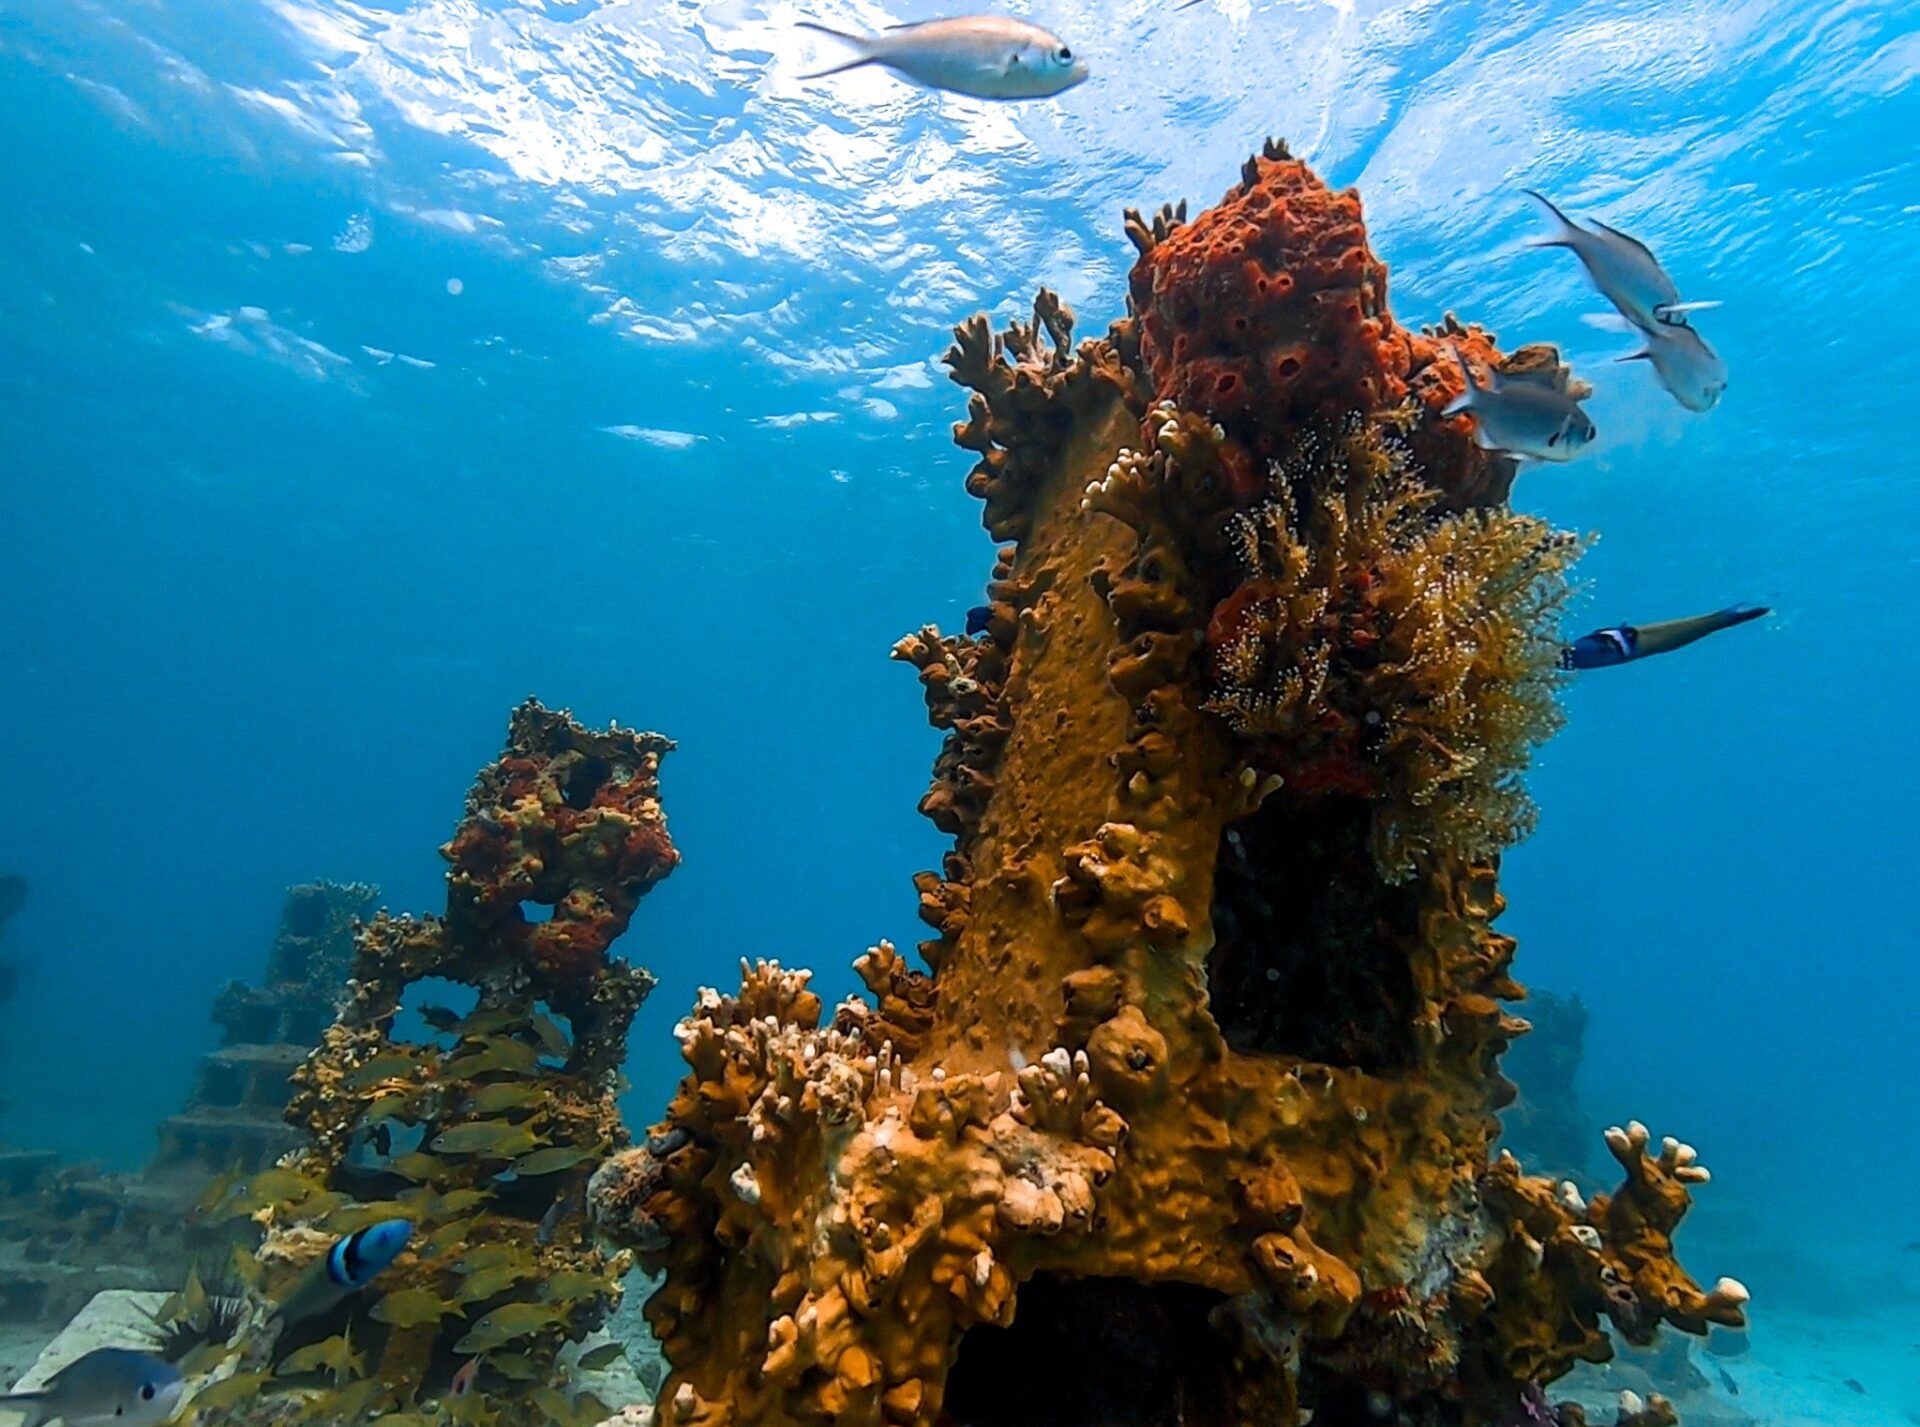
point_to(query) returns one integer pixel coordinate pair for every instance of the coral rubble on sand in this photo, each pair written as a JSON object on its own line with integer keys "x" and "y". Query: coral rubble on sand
{"x": 483, "y": 1135}
{"x": 1193, "y": 1120}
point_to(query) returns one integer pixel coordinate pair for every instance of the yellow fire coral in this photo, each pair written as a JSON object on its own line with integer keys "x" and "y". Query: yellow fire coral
{"x": 1381, "y": 648}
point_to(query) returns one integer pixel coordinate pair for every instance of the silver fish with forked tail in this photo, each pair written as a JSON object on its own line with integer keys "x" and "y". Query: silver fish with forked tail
{"x": 985, "y": 56}
{"x": 1524, "y": 418}
{"x": 1687, "y": 367}
{"x": 1622, "y": 267}
{"x": 108, "y": 1387}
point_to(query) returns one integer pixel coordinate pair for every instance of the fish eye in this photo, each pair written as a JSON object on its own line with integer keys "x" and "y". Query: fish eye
{"x": 146, "y": 1393}
{"x": 1064, "y": 54}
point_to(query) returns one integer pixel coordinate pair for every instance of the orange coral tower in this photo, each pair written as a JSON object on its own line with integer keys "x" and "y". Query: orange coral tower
{"x": 1193, "y": 1087}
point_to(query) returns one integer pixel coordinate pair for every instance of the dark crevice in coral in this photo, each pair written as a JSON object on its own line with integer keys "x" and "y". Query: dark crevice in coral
{"x": 1310, "y": 946}
{"x": 1094, "y": 1352}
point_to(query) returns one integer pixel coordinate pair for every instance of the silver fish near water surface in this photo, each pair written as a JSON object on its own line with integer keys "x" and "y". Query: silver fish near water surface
{"x": 985, "y": 56}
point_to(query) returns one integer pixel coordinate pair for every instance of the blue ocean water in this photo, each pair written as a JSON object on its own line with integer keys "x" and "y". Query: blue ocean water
{"x": 365, "y": 367}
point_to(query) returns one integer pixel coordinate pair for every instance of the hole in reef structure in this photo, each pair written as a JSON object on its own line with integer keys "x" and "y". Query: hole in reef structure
{"x": 1310, "y": 954}
{"x": 1095, "y": 1352}
{"x": 432, "y": 1006}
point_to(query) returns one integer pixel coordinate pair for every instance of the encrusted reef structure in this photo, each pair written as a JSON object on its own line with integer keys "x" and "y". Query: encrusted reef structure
{"x": 483, "y": 1134}
{"x": 68, "y": 1231}
{"x": 1192, "y": 1122}
{"x": 236, "y": 1118}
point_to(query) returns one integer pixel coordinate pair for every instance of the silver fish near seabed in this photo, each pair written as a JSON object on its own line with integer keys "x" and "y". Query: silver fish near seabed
{"x": 985, "y": 56}
{"x": 1687, "y": 367}
{"x": 108, "y": 1387}
{"x": 1622, "y": 267}
{"x": 1522, "y": 417}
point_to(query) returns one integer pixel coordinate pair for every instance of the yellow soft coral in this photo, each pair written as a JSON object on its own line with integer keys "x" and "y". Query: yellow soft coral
{"x": 1378, "y": 648}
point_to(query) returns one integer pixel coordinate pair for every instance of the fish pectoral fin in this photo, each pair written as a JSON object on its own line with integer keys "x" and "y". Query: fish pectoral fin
{"x": 838, "y": 68}
{"x": 1681, "y": 309}
{"x": 1635, "y": 357}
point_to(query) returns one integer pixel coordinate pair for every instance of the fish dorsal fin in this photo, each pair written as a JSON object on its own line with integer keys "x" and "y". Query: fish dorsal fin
{"x": 1627, "y": 238}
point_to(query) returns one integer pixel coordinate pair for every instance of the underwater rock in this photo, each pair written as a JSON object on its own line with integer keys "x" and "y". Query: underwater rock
{"x": 483, "y": 1135}
{"x": 114, "y": 1318}
{"x": 1200, "y": 1096}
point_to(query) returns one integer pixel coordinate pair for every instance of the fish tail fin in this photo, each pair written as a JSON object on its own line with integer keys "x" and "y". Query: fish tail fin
{"x": 32, "y": 1404}
{"x": 1464, "y": 401}
{"x": 1742, "y": 614}
{"x": 1565, "y": 233}
{"x": 861, "y": 43}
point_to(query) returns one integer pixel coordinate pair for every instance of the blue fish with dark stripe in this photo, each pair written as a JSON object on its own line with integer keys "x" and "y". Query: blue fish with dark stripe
{"x": 347, "y": 1267}
{"x": 1624, "y": 643}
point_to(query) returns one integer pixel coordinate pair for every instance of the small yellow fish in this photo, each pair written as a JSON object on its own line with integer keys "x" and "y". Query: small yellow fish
{"x": 241, "y": 1387}
{"x": 490, "y": 1281}
{"x": 554, "y": 1404}
{"x": 281, "y": 1186}
{"x": 552, "y": 1039}
{"x": 604, "y": 1356}
{"x": 488, "y": 1139}
{"x": 503, "y": 1325}
{"x": 488, "y": 1256}
{"x": 570, "y": 1285}
{"x": 410, "y": 1307}
{"x": 390, "y": 1107}
{"x": 505, "y": 1095}
{"x": 205, "y": 1358}
{"x": 189, "y": 1305}
{"x": 352, "y": 1402}
{"x": 403, "y": 1419}
{"x": 495, "y": 1053}
{"x": 390, "y": 1065}
{"x": 447, "y": 1235}
{"x": 245, "y": 1268}
{"x": 515, "y": 1367}
{"x": 588, "y": 1408}
{"x": 416, "y": 1165}
{"x": 360, "y": 1216}
{"x": 456, "y": 1202}
{"x": 215, "y": 1194}
{"x": 335, "y": 1355}
{"x": 552, "y": 1161}
{"x": 485, "y": 1022}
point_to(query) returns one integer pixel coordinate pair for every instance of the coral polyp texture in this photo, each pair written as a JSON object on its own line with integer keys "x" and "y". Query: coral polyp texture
{"x": 482, "y": 1129}
{"x": 1193, "y": 1119}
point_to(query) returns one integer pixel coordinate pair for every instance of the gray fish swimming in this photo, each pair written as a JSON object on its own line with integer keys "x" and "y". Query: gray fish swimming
{"x": 109, "y": 1387}
{"x": 986, "y": 56}
{"x": 1530, "y": 419}
{"x": 1622, "y": 267}
{"x": 1687, "y": 367}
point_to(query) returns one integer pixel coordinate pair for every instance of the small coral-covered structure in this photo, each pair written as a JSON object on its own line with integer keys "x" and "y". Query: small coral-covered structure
{"x": 483, "y": 1134}
{"x": 1192, "y": 1122}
